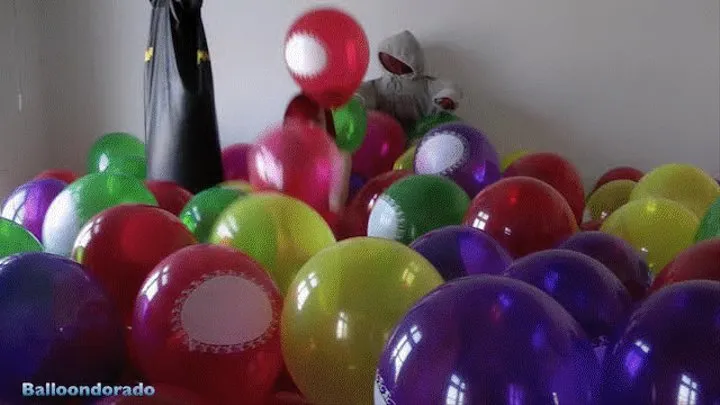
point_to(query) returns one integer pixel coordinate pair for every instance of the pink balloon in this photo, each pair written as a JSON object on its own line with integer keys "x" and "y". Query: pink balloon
{"x": 384, "y": 143}
{"x": 235, "y": 163}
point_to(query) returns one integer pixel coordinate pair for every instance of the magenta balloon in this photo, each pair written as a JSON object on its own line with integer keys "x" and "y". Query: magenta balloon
{"x": 28, "y": 204}
{"x": 487, "y": 340}
{"x": 235, "y": 161}
{"x": 459, "y": 251}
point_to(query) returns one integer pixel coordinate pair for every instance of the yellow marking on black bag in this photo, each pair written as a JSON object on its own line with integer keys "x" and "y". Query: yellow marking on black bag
{"x": 202, "y": 56}
{"x": 149, "y": 54}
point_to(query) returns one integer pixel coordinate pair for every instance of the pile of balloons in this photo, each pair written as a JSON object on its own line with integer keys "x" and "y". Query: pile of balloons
{"x": 449, "y": 275}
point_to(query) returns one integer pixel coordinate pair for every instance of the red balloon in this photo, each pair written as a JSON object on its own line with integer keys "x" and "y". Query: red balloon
{"x": 384, "y": 143}
{"x": 235, "y": 161}
{"x": 298, "y": 159}
{"x": 170, "y": 196}
{"x": 523, "y": 214}
{"x": 63, "y": 175}
{"x": 591, "y": 225}
{"x": 700, "y": 262}
{"x": 287, "y": 398}
{"x": 354, "y": 221}
{"x": 618, "y": 173}
{"x": 164, "y": 395}
{"x": 121, "y": 245}
{"x": 327, "y": 54}
{"x": 207, "y": 320}
{"x": 556, "y": 171}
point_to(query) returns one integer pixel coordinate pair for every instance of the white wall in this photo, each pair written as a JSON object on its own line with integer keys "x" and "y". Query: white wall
{"x": 602, "y": 82}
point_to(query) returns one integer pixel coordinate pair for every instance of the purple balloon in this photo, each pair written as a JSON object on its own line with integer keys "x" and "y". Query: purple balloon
{"x": 459, "y": 251}
{"x": 356, "y": 183}
{"x": 235, "y": 163}
{"x": 56, "y": 325}
{"x": 617, "y": 255}
{"x": 28, "y": 204}
{"x": 461, "y": 153}
{"x": 670, "y": 351}
{"x": 582, "y": 285}
{"x": 487, "y": 340}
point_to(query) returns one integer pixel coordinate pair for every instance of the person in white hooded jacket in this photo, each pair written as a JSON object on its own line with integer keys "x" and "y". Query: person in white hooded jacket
{"x": 404, "y": 91}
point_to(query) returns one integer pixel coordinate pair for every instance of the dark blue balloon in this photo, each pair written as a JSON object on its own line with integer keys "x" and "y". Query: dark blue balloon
{"x": 56, "y": 325}
{"x": 670, "y": 351}
{"x": 487, "y": 340}
{"x": 356, "y": 183}
{"x": 459, "y": 251}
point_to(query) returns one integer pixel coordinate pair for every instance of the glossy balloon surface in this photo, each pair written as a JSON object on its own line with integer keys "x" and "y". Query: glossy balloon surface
{"x": 710, "y": 224}
{"x": 16, "y": 239}
{"x": 407, "y": 160}
{"x": 28, "y": 204}
{"x": 65, "y": 176}
{"x": 350, "y": 123}
{"x": 204, "y": 209}
{"x": 699, "y": 262}
{"x": 608, "y": 198}
{"x": 111, "y": 147}
{"x": 133, "y": 166}
{"x": 235, "y": 161}
{"x": 169, "y": 195}
{"x": 384, "y": 143}
{"x": 619, "y": 173}
{"x": 510, "y": 158}
{"x": 430, "y": 122}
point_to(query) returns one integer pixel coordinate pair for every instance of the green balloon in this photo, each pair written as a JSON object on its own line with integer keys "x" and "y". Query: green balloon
{"x": 201, "y": 213}
{"x": 133, "y": 166}
{"x": 350, "y": 123}
{"x": 431, "y": 121}
{"x": 416, "y": 205}
{"x": 112, "y": 146}
{"x": 16, "y": 239}
{"x": 710, "y": 224}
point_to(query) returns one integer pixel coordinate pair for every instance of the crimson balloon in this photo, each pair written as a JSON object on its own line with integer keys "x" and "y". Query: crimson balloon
{"x": 163, "y": 395}
{"x": 169, "y": 195}
{"x": 523, "y": 214}
{"x": 384, "y": 143}
{"x": 618, "y": 173}
{"x": 235, "y": 161}
{"x": 699, "y": 262}
{"x": 207, "y": 320}
{"x": 556, "y": 171}
{"x": 327, "y": 54}
{"x": 66, "y": 176}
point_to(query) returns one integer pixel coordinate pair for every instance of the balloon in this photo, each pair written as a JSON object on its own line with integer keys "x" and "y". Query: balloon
{"x": 66, "y": 176}
{"x": 685, "y": 184}
{"x": 510, "y": 158}
{"x": 287, "y": 398}
{"x": 340, "y": 310}
{"x": 113, "y": 146}
{"x": 16, "y": 239}
{"x": 617, "y": 255}
{"x": 298, "y": 159}
{"x": 523, "y": 214}
{"x": 327, "y": 54}
{"x": 608, "y": 198}
{"x": 700, "y": 262}
{"x": 710, "y": 225}
{"x": 350, "y": 123}
{"x": 164, "y": 395}
{"x": 430, "y": 122}
{"x": 556, "y": 171}
{"x": 669, "y": 351}
{"x": 84, "y": 199}
{"x": 169, "y": 195}
{"x": 459, "y": 251}
{"x": 582, "y": 285}
{"x": 203, "y": 210}
{"x": 416, "y": 205}
{"x": 461, "y": 153}
{"x": 121, "y": 245}
{"x": 591, "y": 226}
{"x": 355, "y": 185}
{"x": 407, "y": 160}
{"x": 207, "y": 320}
{"x": 280, "y": 232}
{"x": 384, "y": 143}
{"x": 487, "y": 340}
{"x": 133, "y": 166}
{"x": 28, "y": 204}
{"x": 235, "y": 161}
{"x": 658, "y": 228}
{"x": 355, "y": 218}
{"x": 619, "y": 173}
{"x": 56, "y": 325}
{"x": 239, "y": 185}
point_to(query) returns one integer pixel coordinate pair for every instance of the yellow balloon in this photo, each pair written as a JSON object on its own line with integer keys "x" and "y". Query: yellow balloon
{"x": 280, "y": 232}
{"x": 407, "y": 160}
{"x": 686, "y": 184}
{"x": 608, "y": 198}
{"x": 657, "y": 227}
{"x": 509, "y": 159}
{"x": 340, "y": 312}
{"x": 237, "y": 185}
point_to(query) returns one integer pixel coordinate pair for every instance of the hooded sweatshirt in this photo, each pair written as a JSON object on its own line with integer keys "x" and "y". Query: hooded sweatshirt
{"x": 408, "y": 97}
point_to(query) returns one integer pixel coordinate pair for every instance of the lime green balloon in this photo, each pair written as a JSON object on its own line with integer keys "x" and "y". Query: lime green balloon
{"x": 416, "y": 205}
{"x": 203, "y": 210}
{"x": 685, "y": 184}
{"x": 350, "y": 123}
{"x": 340, "y": 311}
{"x": 133, "y": 166}
{"x": 16, "y": 239}
{"x": 112, "y": 146}
{"x": 510, "y": 158}
{"x": 280, "y": 232}
{"x": 240, "y": 185}
{"x": 608, "y": 198}
{"x": 658, "y": 228}
{"x": 710, "y": 224}
{"x": 407, "y": 160}
{"x": 426, "y": 124}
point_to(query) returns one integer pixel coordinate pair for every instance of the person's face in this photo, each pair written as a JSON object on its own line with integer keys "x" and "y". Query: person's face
{"x": 393, "y": 65}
